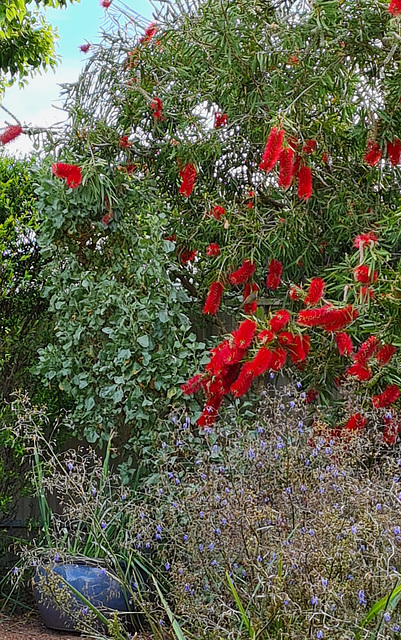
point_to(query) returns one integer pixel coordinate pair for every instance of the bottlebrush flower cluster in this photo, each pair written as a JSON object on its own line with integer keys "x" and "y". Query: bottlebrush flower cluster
{"x": 242, "y": 275}
{"x": 365, "y": 274}
{"x": 373, "y": 153}
{"x": 387, "y": 397}
{"x": 188, "y": 176}
{"x": 218, "y": 212}
{"x": 150, "y": 31}
{"x": 220, "y": 120}
{"x": 395, "y": 7}
{"x": 10, "y": 134}
{"x": 124, "y": 143}
{"x": 274, "y": 273}
{"x": 315, "y": 292}
{"x": 84, "y": 47}
{"x": 71, "y": 172}
{"x": 371, "y": 348}
{"x": 365, "y": 240}
{"x": 212, "y": 250}
{"x": 213, "y": 298}
{"x": 250, "y": 301}
{"x": 157, "y": 107}
{"x": 328, "y": 317}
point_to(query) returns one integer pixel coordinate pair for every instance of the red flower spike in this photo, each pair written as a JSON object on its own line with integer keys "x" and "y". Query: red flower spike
{"x": 325, "y": 157}
{"x": 390, "y": 433}
{"x": 105, "y": 3}
{"x": 278, "y": 359}
{"x": 337, "y": 319}
{"x": 344, "y": 343}
{"x": 187, "y": 255}
{"x": 365, "y": 240}
{"x": 210, "y": 411}
{"x": 107, "y": 218}
{"x": 261, "y": 362}
{"x": 305, "y": 183}
{"x": 217, "y": 212}
{"x": 150, "y": 31}
{"x": 10, "y": 134}
{"x": 311, "y": 396}
{"x": 193, "y": 385}
{"x": 244, "y": 334}
{"x": 294, "y": 292}
{"x": 279, "y": 320}
{"x": 157, "y": 107}
{"x": 265, "y": 336}
{"x": 212, "y": 250}
{"x": 275, "y": 271}
{"x": 395, "y": 7}
{"x": 243, "y": 382}
{"x": 313, "y": 317}
{"x": 309, "y": 146}
{"x": 246, "y": 271}
{"x": 387, "y": 397}
{"x": 373, "y": 153}
{"x": 356, "y": 422}
{"x": 219, "y": 359}
{"x": 359, "y": 371}
{"x": 220, "y": 120}
{"x": 124, "y": 143}
{"x": 188, "y": 176}
{"x": 84, "y": 47}
{"x": 250, "y": 307}
{"x": 366, "y": 292}
{"x": 286, "y": 160}
{"x": 213, "y": 298}
{"x": 296, "y": 166}
{"x": 70, "y": 172}
{"x": 394, "y": 148}
{"x": 272, "y": 149}
{"x": 365, "y": 274}
{"x": 384, "y": 355}
{"x": 315, "y": 292}
{"x": 366, "y": 350}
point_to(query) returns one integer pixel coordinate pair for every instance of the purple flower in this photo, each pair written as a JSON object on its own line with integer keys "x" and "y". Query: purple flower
{"x": 103, "y": 525}
{"x": 319, "y": 634}
{"x": 167, "y": 565}
{"x": 314, "y": 600}
{"x": 361, "y": 597}
{"x": 70, "y": 466}
{"x": 387, "y": 616}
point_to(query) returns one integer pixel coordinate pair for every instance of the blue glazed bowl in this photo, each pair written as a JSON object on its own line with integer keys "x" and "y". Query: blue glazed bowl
{"x": 101, "y": 589}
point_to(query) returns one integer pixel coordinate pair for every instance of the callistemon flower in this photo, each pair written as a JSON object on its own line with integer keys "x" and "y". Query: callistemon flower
{"x": 265, "y": 336}
{"x": 213, "y": 298}
{"x": 149, "y": 33}
{"x": 366, "y": 350}
{"x": 210, "y": 411}
{"x": 309, "y": 146}
{"x": 279, "y": 320}
{"x": 220, "y": 120}
{"x": 278, "y": 359}
{"x": 217, "y": 212}
{"x": 286, "y": 160}
{"x": 366, "y": 292}
{"x": 84, "y": 47}
{"x": 359, "y": 371}
{"x": 272, "y": 149}
{"x": 12, "y": 132}
{"x": 315, "y": 292}
{"x": 305, "y": 183}
{"x": 365, "y": 240}
{"x": 313, "y": 317}
{"x": 311, "y": 396}
{"x": 250, "y": 296}
{"x": 107, "y": 218}
{"x": 71, "y": 173}
{"x": 244, "y": 381}
{"x": 294, "y": 292}
{"x": 105, "y": 3}
{"x": 186, "y": 255}
{"x": 384, "y": 355}
{"x": 356, "y": 422}
{"x": 124, "y": 142}
{"x": 373, "y": 153}
{"x": 193, "y": 385}
{"x": 344, "y": 343}
{"x": 365, "y": 274}
{"x": 157, "y": 107}
{"x": 337, "y": 319}
{"x": 395, "y": 7}
{"x": 188, "y": 176}
{"x": 244, "y": 334}
{"x": 387, "y": 397}
{"x": 246, "y": 271}
{"x": 212, "y": 250}
{"x": 391, "y": 431}
{"x": 298, "y": 345}
{"x": 394, "y": 148}
{"x": 275, "y": 270}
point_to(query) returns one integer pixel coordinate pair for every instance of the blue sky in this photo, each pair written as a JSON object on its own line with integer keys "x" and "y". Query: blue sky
{"x": 77, "y": 24}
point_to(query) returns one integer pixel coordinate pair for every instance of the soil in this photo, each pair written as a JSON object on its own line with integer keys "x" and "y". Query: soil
{"x": 32, "y": 628}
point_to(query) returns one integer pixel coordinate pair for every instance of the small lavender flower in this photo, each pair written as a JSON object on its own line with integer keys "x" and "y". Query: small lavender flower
{"x": 185, "y": 537}
{"x": 56, "y": 557}
{"x": 387, "y": 616}
{"x": 103, "y": 525}
{"x": 251, "y": 454}
{"x": 15, "y": 571}
{"x": 70, "y": 466}
{"x": 292, "y": 404}
{"x": 361, "y": 597}
{"x": 167, "y": 565}
{"x": 319, "y": 634}
{"x": 213, "y": 563}
{"x": 314, "y": 600}
{"x": 299, "y": 384}
{"x": 84, "y": 610}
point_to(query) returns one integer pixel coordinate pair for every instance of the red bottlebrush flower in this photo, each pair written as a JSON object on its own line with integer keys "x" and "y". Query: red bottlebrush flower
{"x": 373, "y": 153}
{"x": 244, "y": 334}
{"x": 124, "y": 143}
{"x": 356, "y": 422}
{"x": 149, "y": 33}
{"x": 337, "y": 319}
{"x": 10, "y": 134}
{"x": 309, "y": 146}
{"x": 325, "y": 157}
{"x": 305, "y": 183}
{"x": 107, "y": 218}
{"x": 294, "y": 292}
{"x": 366, "y": 350}
{"x": 210, "y": 411}
{"x": 391, "y": 431}
{"x": 365, "y": 274}
{"x": 187, "y": 255}
{"x": 84, "y": 47}
{"x": 213, "y": 298}
{"x": 298, "y": 346}
{"x": 261, "y": 362}
{"x": 193, "y": 385}
{"x": 279, "y": 320}
{"x": 188, "y": 176}
{"x": 384, "y": 355}
{"x": 366, "y": 292}
{"x": 105, "y": 3}
{"x": 394, "y": 148}
{"x": 70, "y": 172}
{"x": 265, "y": 336}
{"x": 395, "y": 7}
{"x": 244, "y": 381}
{"x": 312, "y": 317}
{"x": 212, "y": 250}
{"x": 130, "y": 168}
{"x": 359, "y": 371}
{"x": 311, "y": 396}
{"x": 344, "y": 343}
{"x": 286, "y": 160}
{"x": 157, "y": 107}
{"x": 252, "y": 298}
{"x": 296, "y": 166}
{"x": 315, "y": 292}
{"x": 217, "y": 212}
{"x": 275, "y": 271}
{"x": 279, "y": 357}
{"x": 365, "y": 240}
{"x": 387, "y": 397}
{"x": 220, "y": 120}
{"x": 246, "y": 271}
{"x": 172, "y": 238}
{"x": 272, "y": 149}
{"x": 220, "y": 356}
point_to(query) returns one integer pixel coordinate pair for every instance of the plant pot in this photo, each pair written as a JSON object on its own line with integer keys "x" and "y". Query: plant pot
{"x": 61, "y": 609}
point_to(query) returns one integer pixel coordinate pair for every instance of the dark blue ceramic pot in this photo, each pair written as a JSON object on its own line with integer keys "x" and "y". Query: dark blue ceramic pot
{"x": 101, "y": 589}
